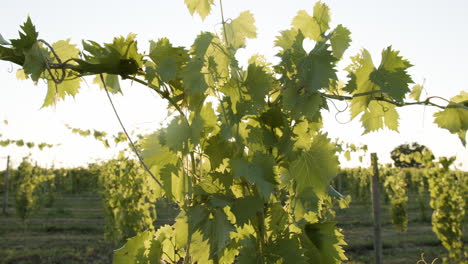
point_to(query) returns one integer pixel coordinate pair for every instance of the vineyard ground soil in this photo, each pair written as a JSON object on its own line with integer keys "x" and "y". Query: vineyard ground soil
{"x": 72, "y": 232}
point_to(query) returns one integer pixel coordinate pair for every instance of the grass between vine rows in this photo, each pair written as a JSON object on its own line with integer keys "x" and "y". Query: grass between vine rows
{"x": 72, "y": 231}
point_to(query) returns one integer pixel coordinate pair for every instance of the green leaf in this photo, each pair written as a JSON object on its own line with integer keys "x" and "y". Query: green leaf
{"x": 178, "y": 135}
{"x": 323, "y": 243}
{"x": 218, "y": 61}
{"x": 322, "y": 16}
{"x": 215, "y": 228}
{"x": 71, "y": 83}
{"x": 315, "y": 26}
{"x": 287, "y": 39}
{"x": 277, "y": 218}
{"x": 307, "y": 25}
{"x": 27, "y": 38}
{"x": 347, "y": 155}
{"x": 142, "y": 248}
{"x": 259, "y": 172}
{"x": 181, "y": 226}
{"x": 248, "y": 252}
{"x": 194, "y": 82}
{"x": 454, "y": 117}
{"x": 3, "y": 41}
{"x": 217, "y": 232}
{"x": 56, "y": 92}
{"x": 360, "y": 85}
{"x": 35, "y": 61}
{"x": 155, "y": 154}
{"x": 392, "y": 76}
{"x": 258, "y": 84}
{"x": 245, "y": 208}
{"x": 120, "y": 57}
{"x": 218, "y": 149}
{"x": 316, "y": 167}
{"x": 202, "y": 43}
{"x": 289, "y": 250}
{"x": 127, "y": 48}
{"x": 316, "y": 70}
{"x": 379, "y": 114}
{"x": 239, "y": 29}
{"x": 199, "y": 249}
{"x": 169, "y": 59}
{"x": 340, "y": 41}
{"x": 416, "y": 92}
{"x": 111, "y": 81}
{"x": 201, "y": 7}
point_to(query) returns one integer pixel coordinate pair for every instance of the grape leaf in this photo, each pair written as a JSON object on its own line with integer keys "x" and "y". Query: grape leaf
{"x": 258, "y": 84}
{"x": 277, "y": 218}
{"x": 248, "y": 252}
{"x": 215, "y": 229}
{"x": 119, "y": 57}
{"x": 289, "y": 250}
{"x": 71, "y": 84}
{"x": 315, "y": 26}
{"x": 392, "y": 76}
{"x": 111, "y": 81}
{"x": 155, "y": 154}
{"x": 316, "y": 70}
{"x": 3, "y": 41}
{"x": 307, "y": 25}
{"x": 59, "y": 91}
{"x": 245, "y": 208}
{"x": 27, "y": 38}
{"x": 218, "y": 62}
{"x": 35, "y": 60}
{"x": 199, "y": 249}
{"x": 218, "y": 149}
{"x": 315, "y": 167}
{"x": 340, "y": 41}
{"x": 202, "y": 43}
{"x": 142, "y": 248}
{"x": 194, "y": 82}
{"x": 359, "y": 71}
{"x": 178, "y": 134}
{"x": 322, "y": 16}
{"x": 10, "y": 54}
{"x": 259, "y": 172}
{"x": 239, "y": 29}
{"x": 217, "y": 232}
{"x": 181, "y": 226}
{"x": 454, "y": 117}
{"x": 323, "y": 242}
{"x": 416, "y": 92}
{"x": 201, "y": 7}
{"x": 287, "y": 39}
{"x": 379, "y": 114}
{"x": 169, "y": 60}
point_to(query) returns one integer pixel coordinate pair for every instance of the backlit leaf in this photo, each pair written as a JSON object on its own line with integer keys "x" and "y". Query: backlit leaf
{"x": 340, "y": 41}
{"x": 316, "y": 167}
{"x": 455, "y": 117}
{"x": 239, "y": 29}
{"x": 201, "y": 7}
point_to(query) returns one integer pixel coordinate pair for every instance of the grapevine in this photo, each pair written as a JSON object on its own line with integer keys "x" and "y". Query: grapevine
{"x": 448, "y": 199}
{"x": 396, "y": 188}
{"x": 244, "y": 157}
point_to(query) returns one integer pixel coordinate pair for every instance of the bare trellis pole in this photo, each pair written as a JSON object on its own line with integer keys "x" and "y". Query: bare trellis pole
{"x": 376, "y": 209}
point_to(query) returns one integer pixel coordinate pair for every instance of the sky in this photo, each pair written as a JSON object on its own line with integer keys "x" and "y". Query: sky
{"x": 430, "y": 34}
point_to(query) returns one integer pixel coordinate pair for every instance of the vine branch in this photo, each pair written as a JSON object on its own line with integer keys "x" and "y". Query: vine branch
{"x": 128, "y": 136}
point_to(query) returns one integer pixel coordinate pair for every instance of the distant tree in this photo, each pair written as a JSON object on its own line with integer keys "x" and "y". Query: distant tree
{"x": 411, "y": 155}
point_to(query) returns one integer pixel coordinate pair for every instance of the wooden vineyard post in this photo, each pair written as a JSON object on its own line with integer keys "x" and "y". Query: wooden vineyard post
{"x": 376, "y": 209}
{"x": 5, "y": 192}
